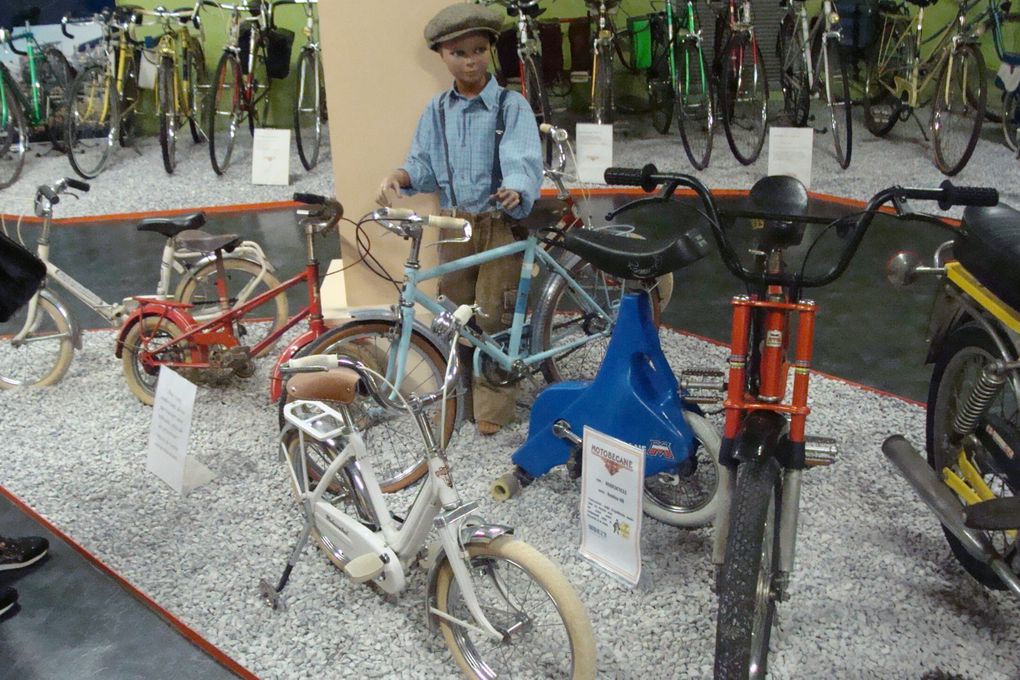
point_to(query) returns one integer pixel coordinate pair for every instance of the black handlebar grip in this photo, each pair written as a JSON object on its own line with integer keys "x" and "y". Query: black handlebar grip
{"x": 77, "y": 184}
{"x": 623, "y": 176}
{"x": 311, "y": 199}
{"x": 48, "y": 192}
{"x": 953, "y": 195}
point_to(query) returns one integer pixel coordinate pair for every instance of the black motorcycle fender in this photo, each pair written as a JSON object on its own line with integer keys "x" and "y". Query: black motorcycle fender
{"x": 762, "y": 435}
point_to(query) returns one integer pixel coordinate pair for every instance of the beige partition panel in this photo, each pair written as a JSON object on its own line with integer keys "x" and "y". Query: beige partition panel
{"x": 379, "y": 76}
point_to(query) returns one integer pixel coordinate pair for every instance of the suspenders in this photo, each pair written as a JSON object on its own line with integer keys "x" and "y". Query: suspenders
{"x": 497, "y": 171}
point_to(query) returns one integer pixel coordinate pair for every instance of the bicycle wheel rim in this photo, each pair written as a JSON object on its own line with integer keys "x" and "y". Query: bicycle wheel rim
{"x": 168, "y": 120}
{"x": 1011, "y": 120}
{"x": 793, "y": 72}
{"x": 662, "y": 102}
{"x": 602, "y": 83}
{"x": 46, "y": 353}
{"x": 308, "y": 110}
{"x": 745, "y": 89}
{"x": 196, "y": 88}
{"x": 695, "y": 108}
{"x": 224, "y": 112}
{"x": 958, "y": 109}
{"x": 837, "y": 95}
{"x": 13, "y": 136}
{"x": 93, "y": 121}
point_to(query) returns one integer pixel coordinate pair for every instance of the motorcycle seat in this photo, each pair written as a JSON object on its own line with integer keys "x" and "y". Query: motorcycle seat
{"x": 171, "y": 226}
{"x": 634, "y": 258}
{"x": 989, "y": 248}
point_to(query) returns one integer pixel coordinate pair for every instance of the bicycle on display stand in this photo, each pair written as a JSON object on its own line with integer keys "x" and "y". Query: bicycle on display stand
{"x": 38, "y": 342}
{"x": 310, "y": 114}
{"x": 564, "y": 336}
{"x": 240, "y": 87}
{"x": 813, "y": 66}
{"x": 214, "y": 345}
{"x": 39, "y": 113}
{"x": 765, "y": 449}
{"x": 504, "y": 609}
{"x": 529, "y": 56}
{"x": 899, "y": 82}
{"x": 680, "y": 83}
{"x": 969, "y": 476}
{"x": 742, "y": 85}
{"x": 181, "y": 81}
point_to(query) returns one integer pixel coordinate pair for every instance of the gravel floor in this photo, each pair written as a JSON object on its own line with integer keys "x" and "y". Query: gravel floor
{"x": 876, "y": 593}
{"x": 902, "y": 157}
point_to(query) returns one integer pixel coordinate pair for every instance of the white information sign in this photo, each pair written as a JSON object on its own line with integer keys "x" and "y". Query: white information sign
{"x": 594, "y": 151}
{"x": 270, "y": 157}
{"x": 611, "y": 490}
{"x": 169, "y": 432}
{"x": 790, "y": 152}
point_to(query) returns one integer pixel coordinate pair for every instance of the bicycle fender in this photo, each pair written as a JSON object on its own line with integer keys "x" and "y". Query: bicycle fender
{"x": 72, "y": 320}
{"x": 178, "y": 317}
{"x": 368, "y": 314}
{"x": 762, "y": 435}
{"x": 946, "y": 314}
{"x": 476, "y": 534}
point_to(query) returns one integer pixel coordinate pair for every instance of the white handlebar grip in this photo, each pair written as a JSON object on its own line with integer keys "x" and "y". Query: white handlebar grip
{"x": 442, "y": 222}
{"x": 314, "y": 361}
{"x": 463, "y": 314}
{"x": 545, "y": 128}
{"x": 395, "y": 213}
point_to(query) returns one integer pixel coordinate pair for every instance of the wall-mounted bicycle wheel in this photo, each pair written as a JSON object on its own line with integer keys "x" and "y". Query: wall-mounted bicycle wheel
{"x": 13, "y": 133}
{"x": 695, "y": 104}
{"x": 794, "y": 78}
{"x": 309, "y": 109}
{"x": 744, "y": 97}
{"x": 958, "y": 108}
{"x": 93, "y": 120}
{"x": 196, "y": 88}
{"x": 225, "y": 112}
{"x": 602, "y": 83}
{"x": 169, "y": 116}
{"x": 836, "y": 92}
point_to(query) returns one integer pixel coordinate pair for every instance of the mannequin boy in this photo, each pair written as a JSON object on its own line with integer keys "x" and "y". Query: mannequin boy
{"x": 477, "y": 144}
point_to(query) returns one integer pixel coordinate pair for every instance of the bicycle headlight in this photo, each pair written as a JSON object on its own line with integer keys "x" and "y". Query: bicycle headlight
{"x": 833, "y": 18}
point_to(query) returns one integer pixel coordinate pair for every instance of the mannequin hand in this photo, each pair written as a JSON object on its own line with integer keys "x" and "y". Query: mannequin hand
{"x": 508, "y": 198}
{"x": 390, "y": 183}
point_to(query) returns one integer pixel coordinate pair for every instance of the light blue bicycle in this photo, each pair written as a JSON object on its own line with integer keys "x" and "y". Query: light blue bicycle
{"x": 572, "y": 310}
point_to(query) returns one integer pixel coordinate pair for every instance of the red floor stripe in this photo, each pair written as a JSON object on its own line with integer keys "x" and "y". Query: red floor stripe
{"x": 185, "y": 630}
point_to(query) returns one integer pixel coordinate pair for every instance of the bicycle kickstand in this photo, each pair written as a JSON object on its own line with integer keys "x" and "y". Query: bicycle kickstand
{"x": 924, "y": 133}
{"x": 275, "y": 594}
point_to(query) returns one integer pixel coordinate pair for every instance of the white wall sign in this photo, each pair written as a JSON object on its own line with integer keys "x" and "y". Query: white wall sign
{"x": 270, "y": 157}
{"x": 169, "y": 431}
{"x": 611, "y": 490}
{"x": 594, "y": 151}
{"x": 790, "y": 152}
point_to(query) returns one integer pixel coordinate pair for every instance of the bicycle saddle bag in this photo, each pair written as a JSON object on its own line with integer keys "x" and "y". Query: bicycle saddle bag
{"x": 634, "y": 258}
{"x": 989, "y": 248}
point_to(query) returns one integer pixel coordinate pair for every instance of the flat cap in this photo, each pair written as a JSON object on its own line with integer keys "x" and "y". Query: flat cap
{"x": 460, "y": 19}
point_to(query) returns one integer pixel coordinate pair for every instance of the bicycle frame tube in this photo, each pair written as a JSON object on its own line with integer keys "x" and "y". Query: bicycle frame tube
{"x": 410, "y": 295}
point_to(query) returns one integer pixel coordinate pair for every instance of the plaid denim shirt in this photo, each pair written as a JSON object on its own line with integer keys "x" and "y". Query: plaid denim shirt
{"x": 470, "y": 132}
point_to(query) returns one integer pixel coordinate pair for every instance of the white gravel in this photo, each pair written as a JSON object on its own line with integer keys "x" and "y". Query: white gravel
{"x": 876, "y": 593}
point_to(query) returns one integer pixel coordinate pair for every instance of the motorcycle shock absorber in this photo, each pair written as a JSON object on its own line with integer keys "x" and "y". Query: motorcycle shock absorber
{"x": 992, "y": 378}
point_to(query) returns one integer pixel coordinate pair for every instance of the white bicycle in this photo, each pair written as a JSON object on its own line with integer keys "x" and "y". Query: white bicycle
{"x": 38, "y": 342}
{"x": 504, "y": 609}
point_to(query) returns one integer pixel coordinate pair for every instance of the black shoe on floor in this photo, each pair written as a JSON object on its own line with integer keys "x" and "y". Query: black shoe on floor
{"x": 8, "y": 598}
{"x": 16, "y": 553}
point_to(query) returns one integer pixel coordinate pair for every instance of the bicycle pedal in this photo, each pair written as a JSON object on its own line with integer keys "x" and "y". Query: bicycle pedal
{"x": 364, "y": 568}
{"x": 703, "y": 385}
{"x": 819, "y": 451}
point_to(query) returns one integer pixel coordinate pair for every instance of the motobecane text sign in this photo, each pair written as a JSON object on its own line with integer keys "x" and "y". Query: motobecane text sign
{"x": 611, "y": 490}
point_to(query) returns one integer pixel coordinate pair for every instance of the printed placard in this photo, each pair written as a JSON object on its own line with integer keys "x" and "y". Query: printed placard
{"x": 611, "y": 489}
{"x": 270, "y": 157}
{"x": 594, "y": 151}
{"x": 169, "y": 432}
{"x": 790, "y": 151}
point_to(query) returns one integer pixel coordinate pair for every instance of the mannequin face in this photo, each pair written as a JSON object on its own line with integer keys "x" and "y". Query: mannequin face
{"x": 467, "y": 59}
